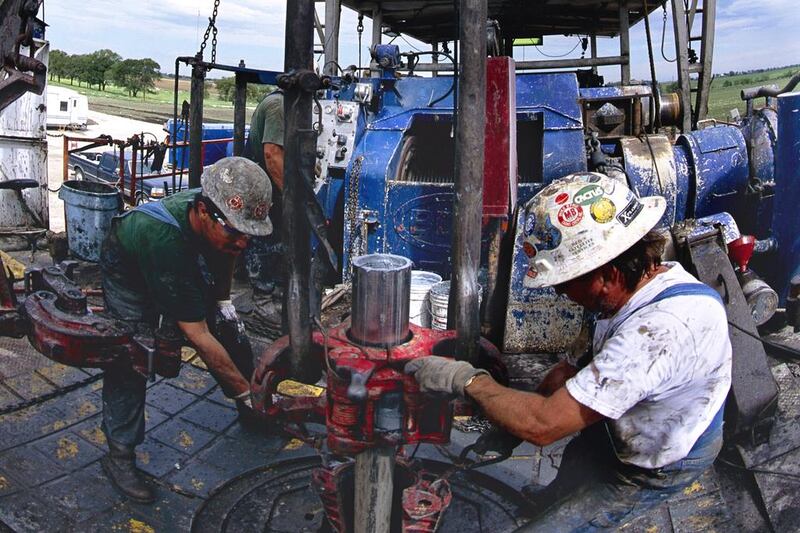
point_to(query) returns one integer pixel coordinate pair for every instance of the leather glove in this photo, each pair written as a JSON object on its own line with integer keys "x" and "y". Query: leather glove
{"x": 440, "y": 374}
{"x": 496, "y": 440}
{"x": 229, "y": 314}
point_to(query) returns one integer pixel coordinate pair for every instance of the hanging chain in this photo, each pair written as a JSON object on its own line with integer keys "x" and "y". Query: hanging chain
{"x": 360, "y": 30}
{"x": 212, "y": 27}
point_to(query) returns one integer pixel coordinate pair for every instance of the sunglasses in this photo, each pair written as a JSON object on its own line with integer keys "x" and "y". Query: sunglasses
{"x": 220, "y": 219}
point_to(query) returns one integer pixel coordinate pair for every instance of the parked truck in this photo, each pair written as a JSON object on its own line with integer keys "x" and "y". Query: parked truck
{"x": 104, "y": 167}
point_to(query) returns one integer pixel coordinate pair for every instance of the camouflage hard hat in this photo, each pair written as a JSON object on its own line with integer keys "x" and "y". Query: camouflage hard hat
{"x": 242, "y": 191}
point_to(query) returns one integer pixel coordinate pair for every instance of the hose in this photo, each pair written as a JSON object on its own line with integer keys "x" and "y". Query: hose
{"x": 770, "y": 92}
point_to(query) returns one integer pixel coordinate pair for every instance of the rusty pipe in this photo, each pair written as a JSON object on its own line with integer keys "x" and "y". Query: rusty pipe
{"x": 299, "y": 158}
{"x": 463, "y": 312}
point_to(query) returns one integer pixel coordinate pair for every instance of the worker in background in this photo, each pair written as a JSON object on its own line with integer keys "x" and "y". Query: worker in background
{"x": 265, "y": 257}
{"x": 648, "y": 403}
{"x": 171, "y": 262}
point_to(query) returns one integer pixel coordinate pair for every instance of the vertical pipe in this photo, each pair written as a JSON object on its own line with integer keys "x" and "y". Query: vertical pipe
{"x": 624, "y": 42}
{"x": 299, "y": 157}
{"x": 377, "y": 24}
{"x": 196, "y": 122}
{"x": 469, "y": 156}
{"x": 593, "y": 39}
{"x": 333, "y": 9}
{"x": 435, "y": 60}
{"x": 65, "y": 162}
{"x": 374, "y": 484}
{"x": 239, "y": 112}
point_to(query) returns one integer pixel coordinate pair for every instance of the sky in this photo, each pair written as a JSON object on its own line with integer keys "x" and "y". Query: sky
{"x": 750, "y": 34}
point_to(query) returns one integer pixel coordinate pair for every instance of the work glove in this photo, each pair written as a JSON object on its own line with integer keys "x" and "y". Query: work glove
{"x": 228, "y": 313}
{"x": 496, "y": 440}
{"x": 440, "y": 374}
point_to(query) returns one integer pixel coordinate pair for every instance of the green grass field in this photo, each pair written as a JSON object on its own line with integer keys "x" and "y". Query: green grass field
{"x": 725, "y": 90}
{"x": 153, "y": 107}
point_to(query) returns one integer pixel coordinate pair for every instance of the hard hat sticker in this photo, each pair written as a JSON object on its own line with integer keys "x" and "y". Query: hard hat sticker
{"x": 529, "y": 249}
{"x": 588, "y": 195}
{"x": 570, "y": 214}
{"x": 562, "y": 198}
{"x": 548, "y": 237}
{"x": 603, "y": 211}
{"x": 530, "y": 223}
{"x": 630, "y": 212}
{"x": 235, "y": 203}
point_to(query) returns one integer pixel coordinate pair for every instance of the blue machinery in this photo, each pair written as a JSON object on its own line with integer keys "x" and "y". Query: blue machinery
{"x": 396, "y": 183}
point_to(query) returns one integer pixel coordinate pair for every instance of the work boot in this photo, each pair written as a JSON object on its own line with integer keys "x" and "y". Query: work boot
{"x": 261, "y": 312}
{"x": 119, "y": 464}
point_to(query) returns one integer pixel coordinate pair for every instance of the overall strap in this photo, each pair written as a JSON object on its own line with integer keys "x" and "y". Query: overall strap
{"x": 158, "y": 211}
{"x": 681, "y": 289}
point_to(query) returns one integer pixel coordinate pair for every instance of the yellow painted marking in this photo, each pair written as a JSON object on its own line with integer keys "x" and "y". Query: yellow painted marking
{"x": 293, "y": 444}
{"x": 185, "y": 440}
{"x": 3, "y": 483}
{"x": 693, "y": 488}
{"x": 67, "y": 448}
{"x": 295, "y": 388}
{"x": 143, "y": 457}
{"x": 651, "y": 529}
{"x": 187, "y": 353}
{"x": 94, "y": 435}
{"x": 86, "y": 409}
{"x": 461, "y": 418}
{"x": 13, "y": 266}
{"x": 58, "y": 424}
{"x": 137, "y": 526}
{"x": 197, "y": 484}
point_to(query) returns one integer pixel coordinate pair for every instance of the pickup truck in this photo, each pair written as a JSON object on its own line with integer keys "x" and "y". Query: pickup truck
{"x": 103, "y": 167}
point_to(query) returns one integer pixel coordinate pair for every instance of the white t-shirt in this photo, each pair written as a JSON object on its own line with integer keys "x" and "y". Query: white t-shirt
{"x": 662, "y": 375}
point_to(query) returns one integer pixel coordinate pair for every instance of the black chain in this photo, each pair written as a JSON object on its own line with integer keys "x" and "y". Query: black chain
{"x": 50, "y": 395}
{"x": 212, "y": 27}
{"x": 360, "y": 30}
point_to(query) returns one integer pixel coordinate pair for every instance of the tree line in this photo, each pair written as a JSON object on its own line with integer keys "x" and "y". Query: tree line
{"x": 105, "y": 66}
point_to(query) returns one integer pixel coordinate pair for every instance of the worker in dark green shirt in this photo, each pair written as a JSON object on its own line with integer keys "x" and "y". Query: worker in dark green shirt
{"x": 171, "y": 262}
{"x": 262, "y": 309}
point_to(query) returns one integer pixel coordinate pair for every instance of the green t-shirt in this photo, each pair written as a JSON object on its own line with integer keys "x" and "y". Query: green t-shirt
{"x": 154, "y": 265}
{"x": 266, "y": 126}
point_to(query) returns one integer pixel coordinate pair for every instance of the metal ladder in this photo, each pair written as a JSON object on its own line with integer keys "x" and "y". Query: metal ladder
{"x": 690, "y": 62}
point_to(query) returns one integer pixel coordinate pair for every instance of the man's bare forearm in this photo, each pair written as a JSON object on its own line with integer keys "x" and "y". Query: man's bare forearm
{"x": 539, "y": 419}
{"x": 215, "y": 356}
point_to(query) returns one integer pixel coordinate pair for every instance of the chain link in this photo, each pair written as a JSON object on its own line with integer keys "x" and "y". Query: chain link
{"x": 9, "y": 409}
{"x": 212, "y": 27}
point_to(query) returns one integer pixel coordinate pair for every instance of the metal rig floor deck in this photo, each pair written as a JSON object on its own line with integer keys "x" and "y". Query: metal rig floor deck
{"x": 50, "y": 477}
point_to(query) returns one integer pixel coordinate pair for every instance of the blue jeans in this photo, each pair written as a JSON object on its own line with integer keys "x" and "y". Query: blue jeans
{"x": 594, "y": 490}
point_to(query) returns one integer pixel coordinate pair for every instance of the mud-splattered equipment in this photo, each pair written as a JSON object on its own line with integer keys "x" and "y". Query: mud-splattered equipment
{"x": 370, "y": 403}
{"x": 581, "y": 222}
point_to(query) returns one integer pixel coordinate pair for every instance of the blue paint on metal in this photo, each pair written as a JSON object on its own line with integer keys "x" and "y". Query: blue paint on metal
{"x": 88, "y": 210}
{"x": 717, "y": 170}
{"x": 786, "y": 217}
{"x": 211, "y": 152}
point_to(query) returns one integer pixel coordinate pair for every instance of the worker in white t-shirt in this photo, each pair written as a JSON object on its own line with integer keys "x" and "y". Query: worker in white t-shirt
{"x": 648, "y": 402}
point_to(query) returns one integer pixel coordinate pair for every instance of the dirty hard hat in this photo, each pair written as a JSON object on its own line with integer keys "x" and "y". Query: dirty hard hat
{"x": 581, "y": 222}
{"x": 242, "y": 191}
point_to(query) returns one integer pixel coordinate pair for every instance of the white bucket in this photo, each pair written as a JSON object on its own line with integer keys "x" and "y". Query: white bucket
{"x": 419, "y": 308}
{"x": 439, "y": 298}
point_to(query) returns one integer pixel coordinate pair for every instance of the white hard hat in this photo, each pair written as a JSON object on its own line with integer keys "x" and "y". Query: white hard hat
{"x": 581, "y": 222}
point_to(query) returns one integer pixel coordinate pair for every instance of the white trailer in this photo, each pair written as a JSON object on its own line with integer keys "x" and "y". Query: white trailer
{"x": 66, "y": 108}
